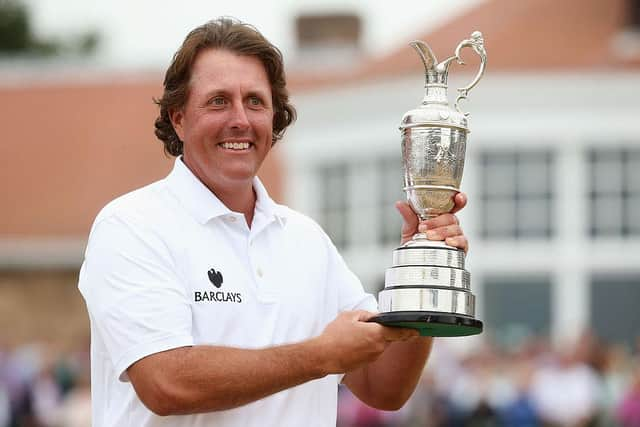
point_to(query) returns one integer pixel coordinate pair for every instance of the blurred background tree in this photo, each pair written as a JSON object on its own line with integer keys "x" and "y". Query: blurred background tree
{"x": 17, "y": 37}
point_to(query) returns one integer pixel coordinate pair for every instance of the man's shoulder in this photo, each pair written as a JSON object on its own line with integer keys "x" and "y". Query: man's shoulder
{"x": 144, "y": 203}
{"x": 300, "y": 222}
{"x": 296, "y": 217}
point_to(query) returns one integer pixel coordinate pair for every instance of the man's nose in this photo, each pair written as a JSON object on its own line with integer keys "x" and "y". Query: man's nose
{"x": 239, "y": 119}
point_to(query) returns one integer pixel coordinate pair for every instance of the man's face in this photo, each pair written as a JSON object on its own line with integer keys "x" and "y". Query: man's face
{"x": 226, "y": 123}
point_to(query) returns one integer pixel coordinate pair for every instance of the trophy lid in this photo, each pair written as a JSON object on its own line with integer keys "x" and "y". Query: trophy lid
{"x": 435, "y": 111}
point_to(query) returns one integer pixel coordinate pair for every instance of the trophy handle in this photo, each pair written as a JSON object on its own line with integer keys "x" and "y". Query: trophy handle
{"x": 476, "y": 42}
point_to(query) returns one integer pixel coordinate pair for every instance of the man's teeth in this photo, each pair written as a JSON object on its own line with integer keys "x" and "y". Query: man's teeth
{"x": 236, "y": 145}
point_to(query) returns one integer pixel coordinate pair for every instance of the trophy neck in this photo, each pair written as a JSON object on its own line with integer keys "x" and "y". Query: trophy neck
{"x": 435, "y": 93}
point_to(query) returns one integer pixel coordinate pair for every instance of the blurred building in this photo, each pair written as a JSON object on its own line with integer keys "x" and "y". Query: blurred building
{"x": 552, "y": 172}
{"x": 553, "y": 159}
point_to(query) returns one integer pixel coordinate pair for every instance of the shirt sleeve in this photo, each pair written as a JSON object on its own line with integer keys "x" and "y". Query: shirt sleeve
{"x": 137, "y": 303}
{"x": 351, "y": 294}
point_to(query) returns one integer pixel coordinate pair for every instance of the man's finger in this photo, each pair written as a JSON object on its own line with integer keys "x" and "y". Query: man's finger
{"x": 459, "y": 242}
{"x": 460, "y": 201}
{"x": 363, "y": 315}
{"x": 442, "y": 233}
{"x": 408, "y": 215}
{"x": 443, "y": 220}
{"x": 359, "y": 315}
{"x": 409, "y": 223}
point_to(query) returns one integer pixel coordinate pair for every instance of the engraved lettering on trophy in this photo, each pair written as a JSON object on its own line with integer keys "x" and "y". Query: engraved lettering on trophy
{"x": 444, "y": 149}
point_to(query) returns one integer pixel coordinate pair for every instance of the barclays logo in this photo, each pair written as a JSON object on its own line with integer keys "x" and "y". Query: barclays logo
{"x": 216, "y": 279}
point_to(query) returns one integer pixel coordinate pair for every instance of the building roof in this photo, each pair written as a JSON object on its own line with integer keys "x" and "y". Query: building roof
{"x": 523, "y": 35}
{"x": 72, "y": 145}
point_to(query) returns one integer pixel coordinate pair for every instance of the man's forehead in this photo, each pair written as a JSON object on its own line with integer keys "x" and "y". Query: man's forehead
{"x": 215, "y": 62}
{"x": 220, "y": 70}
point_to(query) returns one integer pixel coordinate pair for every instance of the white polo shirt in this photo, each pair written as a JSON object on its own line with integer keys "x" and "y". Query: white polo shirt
{"x": 169, "y": 265}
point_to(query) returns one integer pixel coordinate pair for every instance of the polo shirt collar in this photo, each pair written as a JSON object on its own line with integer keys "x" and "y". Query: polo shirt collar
{"x": 204, "y": 205}
{"x": 266, "y": 205}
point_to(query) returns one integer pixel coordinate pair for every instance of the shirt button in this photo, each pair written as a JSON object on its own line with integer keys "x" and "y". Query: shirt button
{"x": 259, "y": 272}
{"x": 231, "y": 219}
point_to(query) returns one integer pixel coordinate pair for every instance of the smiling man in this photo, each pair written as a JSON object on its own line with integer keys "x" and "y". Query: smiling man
{"x": 227, "y": 124}
{"x": 209, "y": 303}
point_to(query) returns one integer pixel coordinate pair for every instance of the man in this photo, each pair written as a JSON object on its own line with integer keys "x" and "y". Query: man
{"x": 209, "y": 303}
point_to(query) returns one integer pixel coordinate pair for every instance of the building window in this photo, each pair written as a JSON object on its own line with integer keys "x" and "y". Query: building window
{"x": 516, "y": 308}
{"x": 614, "y": 308}
{"x": 390, "y": 191}
{"x": 334, "y": 202}
{"x": 516, "y": 194}
{"x": 328, "y": 40}
{"x": 348, "y": 191}
{"x": 614, "y": 199}
{"x": 333, "y": 28}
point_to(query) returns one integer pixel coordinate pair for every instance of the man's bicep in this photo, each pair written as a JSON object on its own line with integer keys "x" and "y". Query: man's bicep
{"x": 133, "y": 293}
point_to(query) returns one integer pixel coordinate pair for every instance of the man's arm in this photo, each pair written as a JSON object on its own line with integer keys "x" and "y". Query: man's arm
{"x": 197, "y": 379}
{"x": 388, "y": 382}
{"x": 381, "y": 370}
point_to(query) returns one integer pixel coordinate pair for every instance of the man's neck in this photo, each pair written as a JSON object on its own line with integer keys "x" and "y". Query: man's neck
{"x": 238, "y": 196}
{"x": 239, "y": 199}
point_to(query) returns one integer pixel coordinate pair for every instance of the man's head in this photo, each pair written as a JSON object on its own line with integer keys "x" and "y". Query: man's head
{"x": 233, "y": 36}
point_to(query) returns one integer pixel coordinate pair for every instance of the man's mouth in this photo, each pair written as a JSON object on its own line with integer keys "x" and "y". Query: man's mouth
{"x": 235, "y": 145}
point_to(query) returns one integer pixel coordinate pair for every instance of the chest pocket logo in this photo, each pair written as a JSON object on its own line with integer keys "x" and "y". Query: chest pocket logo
{"x": 216, "y": 279}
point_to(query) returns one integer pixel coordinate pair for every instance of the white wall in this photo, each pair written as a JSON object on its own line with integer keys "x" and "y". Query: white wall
{"x": 567, "y": 113}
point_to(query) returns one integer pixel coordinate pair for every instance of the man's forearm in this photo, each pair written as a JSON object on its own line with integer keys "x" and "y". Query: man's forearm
{"x": 388, "y": 382}
{"x": 208, "y": 378}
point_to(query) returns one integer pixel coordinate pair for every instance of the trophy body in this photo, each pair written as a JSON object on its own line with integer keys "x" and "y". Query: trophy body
{"x": 427, "y": 287}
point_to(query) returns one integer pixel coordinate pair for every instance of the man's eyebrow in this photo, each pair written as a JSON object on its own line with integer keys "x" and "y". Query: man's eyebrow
{"x": 222, "y": 91}
{"x": 215, "y": 91}
{"x": 260, "y": 93}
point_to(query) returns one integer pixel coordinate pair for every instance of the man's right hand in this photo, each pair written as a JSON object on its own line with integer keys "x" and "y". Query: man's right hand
{"x": 350, "y": 342}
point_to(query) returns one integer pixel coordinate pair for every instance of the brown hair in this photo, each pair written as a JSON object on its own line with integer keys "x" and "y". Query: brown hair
{"x": 239, "y": 38}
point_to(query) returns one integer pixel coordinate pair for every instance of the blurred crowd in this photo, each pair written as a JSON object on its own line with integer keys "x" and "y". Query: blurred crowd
{"x": 582, "y": 384}
{"x": 44, "y": 386}
{"x": 532, "y": 384}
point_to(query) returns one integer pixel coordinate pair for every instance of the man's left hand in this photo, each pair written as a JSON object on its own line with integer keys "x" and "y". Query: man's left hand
{"x": 443, "y": 227}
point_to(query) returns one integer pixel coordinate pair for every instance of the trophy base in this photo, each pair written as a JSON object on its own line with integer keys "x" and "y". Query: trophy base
{"x": 431, "y": 324}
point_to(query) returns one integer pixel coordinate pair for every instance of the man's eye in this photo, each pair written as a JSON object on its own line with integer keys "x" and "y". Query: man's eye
{"x": 218, "y": 100}
{"x": 254, "y": 100}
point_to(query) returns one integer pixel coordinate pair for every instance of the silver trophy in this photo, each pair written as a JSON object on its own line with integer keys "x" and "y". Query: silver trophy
{"x": 427, "y": 288}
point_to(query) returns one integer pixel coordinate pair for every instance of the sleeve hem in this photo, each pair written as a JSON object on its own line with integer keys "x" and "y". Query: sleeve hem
{"x": 365, "y": 302}
{"x": 146, "y": 349}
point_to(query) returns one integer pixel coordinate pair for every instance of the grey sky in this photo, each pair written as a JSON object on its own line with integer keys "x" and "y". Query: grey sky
{"x": 143, "y": 33}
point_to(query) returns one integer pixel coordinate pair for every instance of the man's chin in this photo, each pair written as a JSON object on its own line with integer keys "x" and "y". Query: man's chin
{"x": 239, "y": 176}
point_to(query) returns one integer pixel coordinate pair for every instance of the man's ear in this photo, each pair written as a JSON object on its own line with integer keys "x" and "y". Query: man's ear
{"x": 176, "y": 117}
